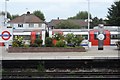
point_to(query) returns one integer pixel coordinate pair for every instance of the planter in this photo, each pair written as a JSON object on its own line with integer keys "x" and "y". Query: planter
{"x": 45, "y": 49}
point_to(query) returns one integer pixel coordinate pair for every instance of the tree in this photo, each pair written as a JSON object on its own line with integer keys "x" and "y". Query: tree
{"x": 81, "y": 15}
{"x": 39, "y": 14}
{"x": 114, "y": 14}
{"x": 96, "y": 21}
{"x": 8, "y": 15}
{"x": 14, "y": 16}
{"x": 67, "y": 25}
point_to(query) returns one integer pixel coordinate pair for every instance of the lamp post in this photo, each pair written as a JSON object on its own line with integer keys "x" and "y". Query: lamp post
{"x": 6, "y": 12}
{"x": 88, "y": 22}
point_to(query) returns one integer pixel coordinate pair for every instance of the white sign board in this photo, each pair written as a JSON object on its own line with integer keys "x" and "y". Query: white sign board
{"x": 6, "y": 34}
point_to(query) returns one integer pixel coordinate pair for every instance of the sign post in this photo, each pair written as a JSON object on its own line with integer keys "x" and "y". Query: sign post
{"x": 101, "y": 37}
{"x": 6, "y": 35}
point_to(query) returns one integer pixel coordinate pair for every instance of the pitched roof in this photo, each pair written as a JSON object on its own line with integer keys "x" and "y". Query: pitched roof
{"x": 54, "y": 22}
{"x": 26, "y": 18}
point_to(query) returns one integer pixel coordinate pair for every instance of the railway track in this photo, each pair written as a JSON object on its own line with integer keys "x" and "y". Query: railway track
{"x": 61, "y": 75}
{"x": 62, "y": 70}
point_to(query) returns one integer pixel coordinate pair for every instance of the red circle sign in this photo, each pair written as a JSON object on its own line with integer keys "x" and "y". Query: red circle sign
{"x": 6, "y": 38}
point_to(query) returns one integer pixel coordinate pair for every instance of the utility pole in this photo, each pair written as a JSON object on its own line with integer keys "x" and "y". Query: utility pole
{"x": 88, "y": 22}
{"x": 6, "y": 12}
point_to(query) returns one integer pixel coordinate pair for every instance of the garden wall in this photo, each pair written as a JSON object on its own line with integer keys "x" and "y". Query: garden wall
{"x": 45, "y": 49}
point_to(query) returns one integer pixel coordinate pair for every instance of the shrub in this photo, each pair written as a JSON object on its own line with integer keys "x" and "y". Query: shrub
{"x": 69, "y": 38}
{"x": 17, "y": 41}
{"x": 58, "y": 36}
{"x": 48, "y": 42}
{"x": 34, "y": 45}
{"x": 60, "y": 43}
{"x": 26, "y": 46}
{"x": 78, "y": 40}
{"x": 73, "y": 40}
{"x": 15, "y": 44}
{"x": 39, "y": 42}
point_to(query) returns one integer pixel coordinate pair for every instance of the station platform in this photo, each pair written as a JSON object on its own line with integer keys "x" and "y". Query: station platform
{"x": 109, "y": 52}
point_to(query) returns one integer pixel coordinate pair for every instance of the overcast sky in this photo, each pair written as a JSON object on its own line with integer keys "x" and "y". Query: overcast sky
{"x": 58, "y": 8}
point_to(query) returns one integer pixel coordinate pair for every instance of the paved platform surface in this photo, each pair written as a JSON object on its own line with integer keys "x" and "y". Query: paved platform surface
{"x": 109, "y": 52}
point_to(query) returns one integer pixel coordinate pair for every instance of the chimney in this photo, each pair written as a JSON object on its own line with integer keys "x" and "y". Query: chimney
{"x": 28, "y": 13}
{"x": 58, "y": 18}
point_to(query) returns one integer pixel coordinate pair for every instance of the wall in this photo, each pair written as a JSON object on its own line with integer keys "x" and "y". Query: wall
{"x": 26, "y": 26}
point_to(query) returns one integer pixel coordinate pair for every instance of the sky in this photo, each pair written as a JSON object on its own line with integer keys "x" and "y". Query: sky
{"x": 52, "y": 9}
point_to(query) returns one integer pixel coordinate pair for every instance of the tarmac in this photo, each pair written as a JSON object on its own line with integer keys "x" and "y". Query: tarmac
{"x": 109, "y": 52}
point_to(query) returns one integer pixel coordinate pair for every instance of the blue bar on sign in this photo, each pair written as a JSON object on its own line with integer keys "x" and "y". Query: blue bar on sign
{"x": 5, "y": 35}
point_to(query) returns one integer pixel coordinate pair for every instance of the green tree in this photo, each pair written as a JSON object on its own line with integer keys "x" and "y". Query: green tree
{"x": 80, "y": 15}
{"x": 67, "y": 25}
{"x": 14, "y": 16}
{"x": 114, "y": 14}
{"x": 8, "y": 15}
{"x": 96, "y": 21}
{"x": 39, "y": 14}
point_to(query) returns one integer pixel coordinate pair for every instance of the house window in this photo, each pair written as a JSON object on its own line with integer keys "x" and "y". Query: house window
{"x": 20, "y": 25}
{"x": 31, "y": 25}
{"x": 115, "y": 36}
{"x": 40, "y": 25}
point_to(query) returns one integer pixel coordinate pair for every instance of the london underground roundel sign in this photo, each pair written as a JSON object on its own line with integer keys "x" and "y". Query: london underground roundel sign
{"x": 6, "y": 35}
{"x": 101, "y": 36}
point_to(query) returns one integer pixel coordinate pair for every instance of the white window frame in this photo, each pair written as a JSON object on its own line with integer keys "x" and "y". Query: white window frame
{"x": 20, "y": 25}
{"x": 31, "y": 25}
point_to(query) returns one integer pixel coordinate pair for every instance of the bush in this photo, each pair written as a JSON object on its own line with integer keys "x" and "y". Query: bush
{"x": 39, "y": 42}
{"x": 78, "y": 40}
{"x": 69, "y": 38}
{"x": 17, "y": 41}
{"x": 26, "y": 46}
{"x": 48, "y": 42}
{"x": 73, "y": 40}
{"x": 58, "y": 36}
{"x": 34, "y": 45}
{"x": 60, "y": 43}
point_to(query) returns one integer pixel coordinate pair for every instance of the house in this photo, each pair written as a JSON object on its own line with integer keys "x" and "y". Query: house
{"x": 83, "y": 25}
{"x": 27, "y": 23}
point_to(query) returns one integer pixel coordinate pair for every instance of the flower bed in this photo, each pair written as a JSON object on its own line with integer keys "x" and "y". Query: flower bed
{"x": 45, "y": 49}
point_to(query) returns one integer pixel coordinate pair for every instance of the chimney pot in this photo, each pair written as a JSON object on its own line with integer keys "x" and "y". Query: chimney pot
{"x": 58, "y": 18}
{"x": 28, "y": 12}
